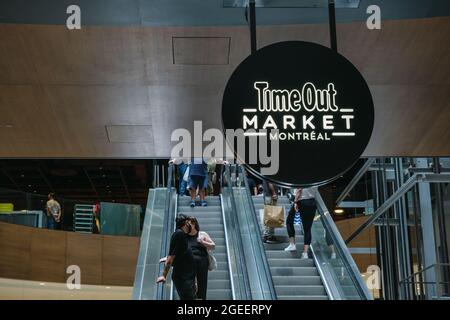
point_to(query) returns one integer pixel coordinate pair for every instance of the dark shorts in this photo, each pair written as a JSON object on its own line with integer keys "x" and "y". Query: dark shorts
{"x": 198, "y": 181}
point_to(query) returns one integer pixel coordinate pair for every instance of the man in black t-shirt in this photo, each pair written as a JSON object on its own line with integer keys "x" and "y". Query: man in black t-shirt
{"x": 181, "y": 258}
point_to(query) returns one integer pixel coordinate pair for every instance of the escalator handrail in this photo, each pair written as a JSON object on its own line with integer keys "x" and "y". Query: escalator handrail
{"x": 266, "y": 268}
{"x": 342, "y": 249}
{"x": 169, "y": 223}
{"x": 238, "y": 243}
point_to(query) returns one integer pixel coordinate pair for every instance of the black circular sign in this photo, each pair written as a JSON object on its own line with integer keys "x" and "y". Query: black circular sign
{"x": 305, "y": 98}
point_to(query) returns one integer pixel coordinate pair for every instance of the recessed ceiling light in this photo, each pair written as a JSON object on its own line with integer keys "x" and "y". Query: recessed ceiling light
{"x": 42, "y": 284}
{"x": 29, "y": 186}
{"x": 338, "y": 211}
{"x": 22, "y": 176}
{"x": 104, "y": 176}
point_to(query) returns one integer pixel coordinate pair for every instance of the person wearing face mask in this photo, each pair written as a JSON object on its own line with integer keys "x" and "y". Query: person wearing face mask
{"x": 200, "y": 242}
{"x": 181, "y": 258}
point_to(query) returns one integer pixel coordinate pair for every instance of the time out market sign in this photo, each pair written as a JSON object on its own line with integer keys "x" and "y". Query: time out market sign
{"x": 310, "y": 100}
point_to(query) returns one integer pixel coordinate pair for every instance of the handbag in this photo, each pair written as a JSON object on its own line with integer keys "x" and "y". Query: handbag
{"x": 212, "y": 262}
{"x": 274, "y": 216}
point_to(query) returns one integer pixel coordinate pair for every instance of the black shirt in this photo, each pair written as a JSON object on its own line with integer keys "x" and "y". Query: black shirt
{"x": 251, "y": 186}
{"x": 183, "y": 264}
{"x": 198, "y": 250}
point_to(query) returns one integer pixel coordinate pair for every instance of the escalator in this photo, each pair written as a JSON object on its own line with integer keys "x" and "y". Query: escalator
{"x": 293, "y": 279}
{"x": 247, "y": 268}
{"x": 228, "y": 282}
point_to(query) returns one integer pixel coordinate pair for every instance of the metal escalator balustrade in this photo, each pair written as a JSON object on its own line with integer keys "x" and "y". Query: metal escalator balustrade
{"x": 319, "y": 278}
{"x": 159, "y": 223}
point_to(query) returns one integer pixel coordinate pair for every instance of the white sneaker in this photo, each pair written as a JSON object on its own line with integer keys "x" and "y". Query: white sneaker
{"x": 304, "y": 255}
{"x": 291, "y": 247}
{"x": 333, "y": 256}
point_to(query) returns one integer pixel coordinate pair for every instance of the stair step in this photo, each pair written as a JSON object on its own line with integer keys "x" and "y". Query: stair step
{"x": 291, "y": 262}
{"x": 218, "y": 275}
{"x": 215, "y": 234}
{"x": 294, "y": 271}
{"x": 219, "y": 294}
{"x": 212, "y": 227}
{"x": 220, "y": 257}
{"x": 219, "y": 284}
{"x": 294, "y": 290}
{"x": 190, "y": 210}
{"x": 281, "y": 254}
{"x": 280, "y": 246}
{"x": 220, "y": 249}
{"x": 302, "y": 297}
{"x": 300, "y": 280}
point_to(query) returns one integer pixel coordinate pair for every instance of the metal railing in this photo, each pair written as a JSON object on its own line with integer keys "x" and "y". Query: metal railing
{"x": 235, "y": 247}
{"x": 420, "y": 284}
{"x": 260, "y": 253}
{"x": 164, "y": 291}
{"x": 411, "y": 182}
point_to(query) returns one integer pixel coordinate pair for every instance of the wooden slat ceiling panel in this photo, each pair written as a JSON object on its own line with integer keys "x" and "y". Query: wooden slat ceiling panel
{"x": 60, "y": 88}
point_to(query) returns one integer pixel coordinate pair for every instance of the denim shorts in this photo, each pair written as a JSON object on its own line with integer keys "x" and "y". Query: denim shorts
{"x": 198, "y": 181}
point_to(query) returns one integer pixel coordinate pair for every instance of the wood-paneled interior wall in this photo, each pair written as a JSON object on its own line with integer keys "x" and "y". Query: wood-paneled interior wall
{"x": 364, "y": 240}
{"x": 44, "y": 255}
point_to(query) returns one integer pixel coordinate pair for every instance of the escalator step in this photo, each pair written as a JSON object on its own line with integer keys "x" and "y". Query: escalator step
{"x": 294, "y": 290}
{"x": 302, "y": 297}
{"x": 218, "y": 275}
{"x": 294, "y": 271}
{"x": 219, "y": 294}
{"x": 291, "y": 263}
{"x": 219, "y": 284}
{"x": 297, "y": 280}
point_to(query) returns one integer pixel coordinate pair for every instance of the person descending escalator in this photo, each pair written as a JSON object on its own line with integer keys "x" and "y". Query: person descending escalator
{"x": 181, "y": 258}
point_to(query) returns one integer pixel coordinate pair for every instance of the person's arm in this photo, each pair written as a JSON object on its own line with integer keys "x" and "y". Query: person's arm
{"x": 273, "y": 192}
{"x": 206, "y": 240}
{"x": 255, "y": 191}
{"x": 297, "y": 198}
{"x": 167, "y": 266}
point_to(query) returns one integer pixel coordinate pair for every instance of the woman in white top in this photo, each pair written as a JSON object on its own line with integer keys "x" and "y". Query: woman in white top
{"x": 304, "y": 202}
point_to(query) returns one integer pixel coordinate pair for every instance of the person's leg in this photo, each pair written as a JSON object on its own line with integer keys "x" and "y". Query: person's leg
{"x": 202, "y": 278}
{"x": 182, "y": 183}
{"x": 51, "y": 223}
{"x": 308, "y": 209}
{"x": 203, "y": 188}
{"x": 290, "y": 225}
{"x": 194, "y": 185}
{"x": 185, "y": 288}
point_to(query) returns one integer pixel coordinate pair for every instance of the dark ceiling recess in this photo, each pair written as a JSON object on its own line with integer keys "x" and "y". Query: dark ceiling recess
{"x": 122, "y": 181}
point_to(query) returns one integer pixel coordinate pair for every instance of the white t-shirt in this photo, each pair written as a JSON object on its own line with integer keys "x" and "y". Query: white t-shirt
{"x": 307, "y": 193}
{"x": 54, "y": 207}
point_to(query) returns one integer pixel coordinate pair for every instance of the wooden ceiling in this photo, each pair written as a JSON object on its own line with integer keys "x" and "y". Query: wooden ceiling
{"x": 61, "y": 91}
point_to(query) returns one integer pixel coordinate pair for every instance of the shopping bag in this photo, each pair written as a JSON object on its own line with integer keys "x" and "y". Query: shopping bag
{"x": 274, "y": 216}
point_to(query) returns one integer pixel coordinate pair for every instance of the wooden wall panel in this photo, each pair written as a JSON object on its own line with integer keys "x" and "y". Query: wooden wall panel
{"x": 65, "y": 86}
{"x": 117, "y": 271}
{"x": 85, "y": 252}
{"x": 48, "y": 255}
{"x": 44, "y": 255}
{"x": 15, "y": 257}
